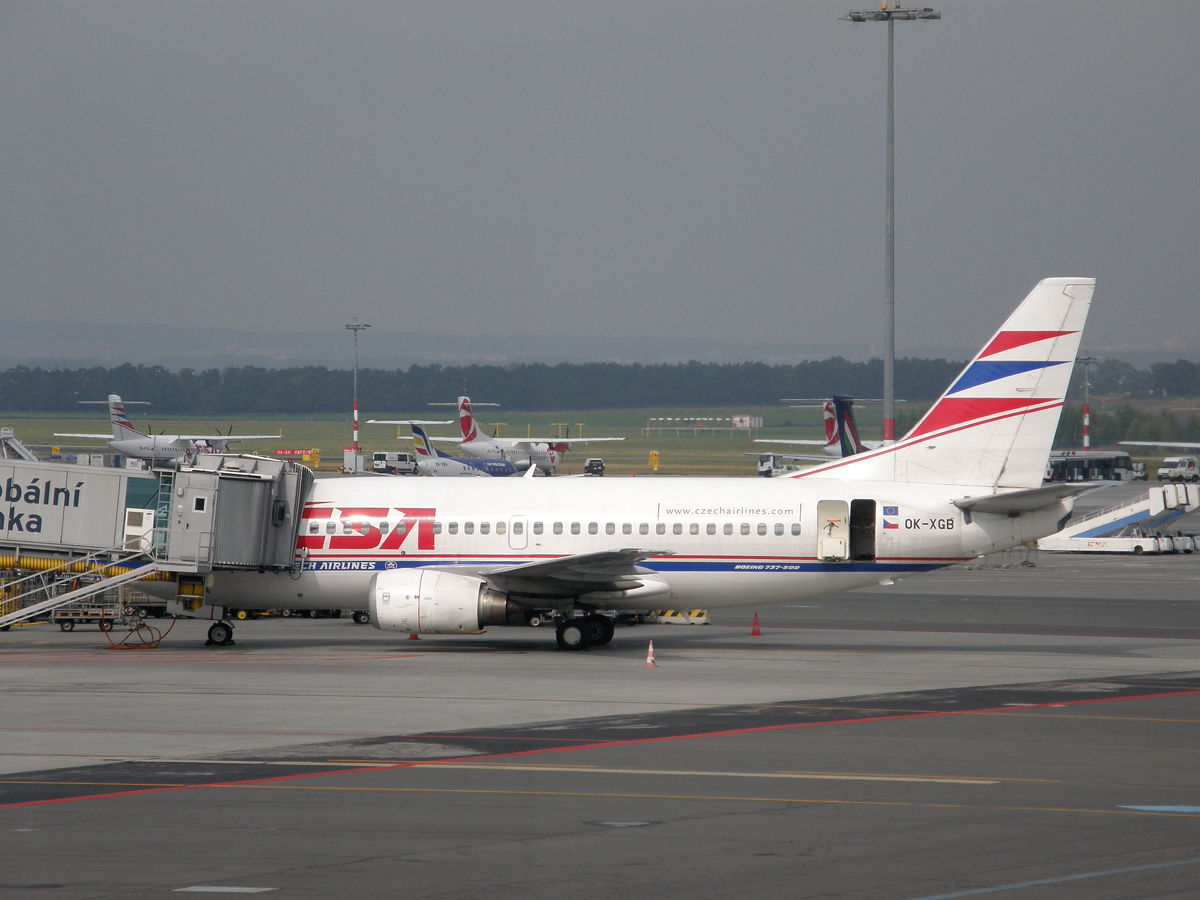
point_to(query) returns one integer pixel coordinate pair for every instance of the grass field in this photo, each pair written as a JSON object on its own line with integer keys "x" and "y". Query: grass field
{"x": 712, "y": 453}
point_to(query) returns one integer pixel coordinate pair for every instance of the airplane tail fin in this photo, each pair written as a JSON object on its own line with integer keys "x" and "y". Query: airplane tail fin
{"x": 831, "y": 426}
{"x": 847, "y": 427}
{"x": 122, "y": 428}
{"x": 995, "y": 424}
{"x": 466, "y": 420}
{"x": 422, "y": 445}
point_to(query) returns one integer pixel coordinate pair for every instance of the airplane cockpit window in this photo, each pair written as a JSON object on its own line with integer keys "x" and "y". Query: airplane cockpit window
{"x": 468, "y": 527}
{"x": 452, "y": 528}
{"x": 558, "y": 527}
{"x": 779, "y": 528}
{"x": 574, "y": 528}
{"x": 537, "y": 527}
{"x": 485, "y": 527}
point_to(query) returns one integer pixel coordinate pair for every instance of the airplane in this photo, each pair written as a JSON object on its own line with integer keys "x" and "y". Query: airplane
{"x": 841, "y": 432}
{"x": 523, "y": 453}
{"x": 431, "y": 461}
{"x": 128, "y": 441}
{"x": 442, "y": 556}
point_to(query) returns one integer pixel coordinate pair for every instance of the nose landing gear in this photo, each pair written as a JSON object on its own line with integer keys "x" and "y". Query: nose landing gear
{"x": 220, "y": 634}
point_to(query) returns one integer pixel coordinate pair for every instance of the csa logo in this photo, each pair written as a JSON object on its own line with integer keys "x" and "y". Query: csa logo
{"x": 390, "y": 564}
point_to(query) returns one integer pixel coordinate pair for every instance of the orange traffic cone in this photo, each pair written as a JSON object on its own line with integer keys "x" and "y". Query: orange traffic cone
{"x": 650, "y": 663}
{"x": 413, "y": 637}
{"x": 755, "y": 632}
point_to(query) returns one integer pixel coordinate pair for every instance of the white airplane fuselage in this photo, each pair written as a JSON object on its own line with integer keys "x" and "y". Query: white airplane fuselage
{"x": 711, "y": 531}
{"x": 522, "y": 454}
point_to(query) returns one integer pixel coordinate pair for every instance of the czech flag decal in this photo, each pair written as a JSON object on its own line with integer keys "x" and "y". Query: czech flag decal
{"x": 890, "y": 511}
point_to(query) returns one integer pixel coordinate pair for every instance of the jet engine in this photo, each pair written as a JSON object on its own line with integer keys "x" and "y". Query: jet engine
{"x": 426, "y": 601}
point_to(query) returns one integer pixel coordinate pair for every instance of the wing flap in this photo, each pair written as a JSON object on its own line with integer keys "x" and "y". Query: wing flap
{"x": 1016, "y": 502}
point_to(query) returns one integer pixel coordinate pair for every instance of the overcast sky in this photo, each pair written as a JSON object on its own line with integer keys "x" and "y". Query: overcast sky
{"x": 693, "y": 170}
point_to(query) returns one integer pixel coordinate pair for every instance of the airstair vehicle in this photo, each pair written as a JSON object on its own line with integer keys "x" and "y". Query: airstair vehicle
{"x": 112, "y": 527}
{"x": 11, "y": 448}
{"x": 1129, "y": 527}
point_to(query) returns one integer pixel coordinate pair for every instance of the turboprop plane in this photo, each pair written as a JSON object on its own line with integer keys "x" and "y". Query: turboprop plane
{"x": 128, "y": 441}
{"x": 431, "y": 461}
{"x": 446, "y": 556}
{"x": 841, "y": 432}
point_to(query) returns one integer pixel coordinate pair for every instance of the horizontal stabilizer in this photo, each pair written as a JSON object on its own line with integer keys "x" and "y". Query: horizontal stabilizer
{"x": 1016, "y": 502}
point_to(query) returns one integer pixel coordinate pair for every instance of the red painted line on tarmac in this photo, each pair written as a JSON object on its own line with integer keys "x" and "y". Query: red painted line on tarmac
{"x": 598, "y": 745}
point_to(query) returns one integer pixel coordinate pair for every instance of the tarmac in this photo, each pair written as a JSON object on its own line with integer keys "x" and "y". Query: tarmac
{"x": 1030, "y": 731}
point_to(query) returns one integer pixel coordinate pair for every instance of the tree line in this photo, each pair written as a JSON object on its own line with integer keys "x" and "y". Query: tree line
{"x": 528, "y": 387}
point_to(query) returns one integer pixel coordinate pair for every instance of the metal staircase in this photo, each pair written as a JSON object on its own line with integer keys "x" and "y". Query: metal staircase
{"x": 109, "y": 573}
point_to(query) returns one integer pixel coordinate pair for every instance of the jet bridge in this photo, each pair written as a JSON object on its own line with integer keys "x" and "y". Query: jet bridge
{"x": 215, "y": 512}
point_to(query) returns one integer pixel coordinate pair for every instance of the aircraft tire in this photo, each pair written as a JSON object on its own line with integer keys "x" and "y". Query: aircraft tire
{"x": 362, "y": 618}
{"x": 573, "y": 634}
{"x": 602, "y": 630}
{"x": 220, "y": 634}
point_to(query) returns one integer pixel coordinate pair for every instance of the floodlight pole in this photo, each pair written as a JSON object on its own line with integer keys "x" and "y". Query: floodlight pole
{"x": 356, "y": 328}
{"x": 889, "y": 297}
{"x": 1086, "y": 361}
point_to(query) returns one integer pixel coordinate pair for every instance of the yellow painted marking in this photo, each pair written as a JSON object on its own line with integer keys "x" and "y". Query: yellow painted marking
{"x": 811, "y": 776}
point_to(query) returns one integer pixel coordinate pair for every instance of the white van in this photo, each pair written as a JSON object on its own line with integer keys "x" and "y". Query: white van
{"x": 394, "y": 463}
{"x": 1179, "y": 468}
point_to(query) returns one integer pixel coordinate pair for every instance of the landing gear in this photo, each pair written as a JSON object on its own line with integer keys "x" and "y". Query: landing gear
{"x": 361, "y": 617}
{"x": 220, "y": 634}
{"x": 574, "y": 634}
{"x": 601, "y": 630}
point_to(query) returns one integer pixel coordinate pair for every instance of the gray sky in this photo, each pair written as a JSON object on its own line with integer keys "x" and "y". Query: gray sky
{"x": 706, "y": 171}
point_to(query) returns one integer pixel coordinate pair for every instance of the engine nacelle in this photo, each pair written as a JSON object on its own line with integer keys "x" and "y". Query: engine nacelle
{"x": 426, "y": 601}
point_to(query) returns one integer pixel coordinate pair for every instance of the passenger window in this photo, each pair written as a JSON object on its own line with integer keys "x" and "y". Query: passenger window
{"x": 453, "y": 529}
{"x": 660, "y": 528}
{"x": 518, "y": 527}
{"x": 694, "y": 528}
{"x": 485, "y": 527}
{"x": 593, "y": 528}
{"x": 574, "y": 528}
{"x": 558, "y": 527}
{"x": 795, "y": 528}
{"x": 677, "y": 528}
{"x": 762, "y": 527}
{"x": 537, "y": 527}
{"x": 610, "y": 528}
{"x": 779, "y": 528}
{"x": 711, "y": 528}
{"x": 627, "y": 528}
{"x": 314, "y": 527}
{"x": 383, "y": 527}
{"x": 643, "y": 528}
{"x": 500, "y": 527}
{"x": 437, "y": 527}
{"x": 401, "y": 528}
{"x": 364, "y": 527}
{"x": 347, "y": 528}
{"x": 330, "y": 527}
{"x": 729, "y": 528}
{"x": 745, "y": 528}
{"x": 468, "y": 527}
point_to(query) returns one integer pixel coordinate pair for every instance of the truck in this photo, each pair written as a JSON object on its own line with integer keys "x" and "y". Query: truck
{"x": 1179, "y": 468}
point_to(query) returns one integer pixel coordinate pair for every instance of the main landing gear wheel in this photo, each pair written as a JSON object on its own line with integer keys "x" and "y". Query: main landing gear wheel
{"x": 220, "y": 634}
{"x": 574, "y": 634}
{"x": 602, "y": 630}
{"x": 361, "y": 617}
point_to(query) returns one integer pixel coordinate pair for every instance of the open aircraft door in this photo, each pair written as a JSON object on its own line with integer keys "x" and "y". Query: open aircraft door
{"x": 833, "y": 530}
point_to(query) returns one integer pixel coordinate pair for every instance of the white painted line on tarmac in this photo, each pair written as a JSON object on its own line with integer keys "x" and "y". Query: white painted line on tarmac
{"x": 218, "y": 889}
{"x": 1188, "y": 810}
{"x": 808, "y": 776}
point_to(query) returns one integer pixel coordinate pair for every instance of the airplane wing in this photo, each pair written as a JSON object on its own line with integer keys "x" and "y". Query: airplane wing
{"x": 457, "y": 439}
{"x": 607, "y": 570}
{"x": 1182, "y": 445}
{"x": 781, "y": 441}
{"x": 228, "y": 438}
{"x": 590, "y": 440}
{"x": 411, "y": 421}
{"x": 98, "y": 437}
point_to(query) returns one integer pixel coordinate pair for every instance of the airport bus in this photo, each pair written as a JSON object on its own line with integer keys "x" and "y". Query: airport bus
{"x": 1093, "y": 465}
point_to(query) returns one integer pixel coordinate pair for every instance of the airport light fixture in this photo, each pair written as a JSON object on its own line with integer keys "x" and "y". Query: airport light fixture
{"x": 1086, "y": 362}
{"x": 356, "y": 327}
{"x": 896, "y": 14}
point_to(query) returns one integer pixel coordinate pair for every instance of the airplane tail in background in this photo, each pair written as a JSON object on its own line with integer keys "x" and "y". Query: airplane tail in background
{"x": 422, "y": 445}
{"x": 995, "y": 425}
{"x": 831, "y": 426}
{"x": 122, "y": 429}
{"x": 466, "y": 420}
{"x": 846, "y": 427}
